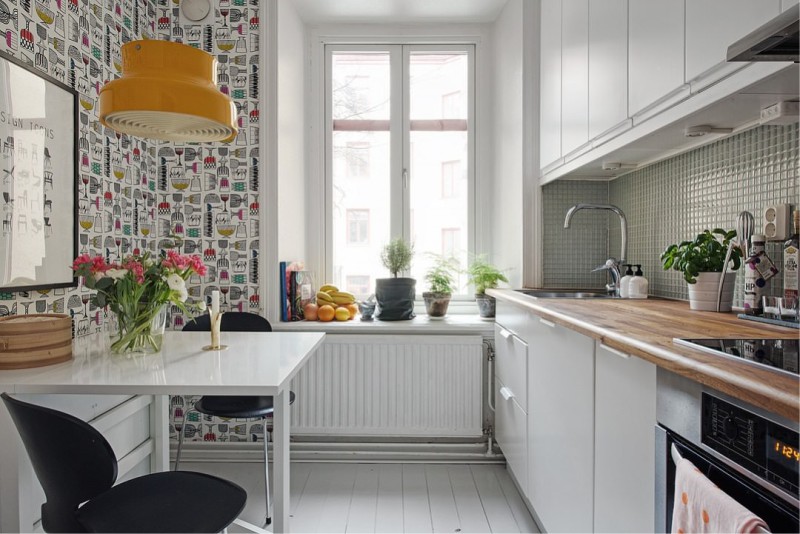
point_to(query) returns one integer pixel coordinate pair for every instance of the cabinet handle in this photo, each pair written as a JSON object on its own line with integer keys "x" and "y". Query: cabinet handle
{"x": 505, "y": 333}
{"x": 506, "y": 393}
{"x": 614, "y": 351}
{"x": 545, "y": 322}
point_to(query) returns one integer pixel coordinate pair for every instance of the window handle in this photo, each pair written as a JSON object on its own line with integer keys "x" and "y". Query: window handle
{"x": 405, "y": 178}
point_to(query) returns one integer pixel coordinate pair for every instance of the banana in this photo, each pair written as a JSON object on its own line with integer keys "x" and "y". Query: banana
{"x": 327, "y": 288}
{"x": 342, "y": 297}
{"x": 324, "y": 298}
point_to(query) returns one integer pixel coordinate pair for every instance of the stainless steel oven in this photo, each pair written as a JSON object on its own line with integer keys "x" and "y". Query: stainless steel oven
{"x": 752, "y": 455}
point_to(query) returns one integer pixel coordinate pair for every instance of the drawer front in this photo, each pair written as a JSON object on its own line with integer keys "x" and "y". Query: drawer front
{"x": 511, "y": 362}
{"x": 511, "y": 424}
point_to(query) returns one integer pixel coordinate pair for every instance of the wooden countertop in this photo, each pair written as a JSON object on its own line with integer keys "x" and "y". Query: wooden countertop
{"x": 645, "y": 328}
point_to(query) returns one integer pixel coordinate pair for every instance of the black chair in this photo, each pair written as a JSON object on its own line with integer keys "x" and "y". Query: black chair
{"x": 230, "y": 406}
{"x": 75, "y": 464}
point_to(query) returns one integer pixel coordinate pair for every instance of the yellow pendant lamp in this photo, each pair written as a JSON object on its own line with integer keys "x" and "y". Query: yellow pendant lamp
{"x": 168, "y": 91}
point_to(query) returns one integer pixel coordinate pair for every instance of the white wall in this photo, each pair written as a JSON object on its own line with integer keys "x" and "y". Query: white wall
{"x": 507, "y": 173}
{"x": 291, "y": 140}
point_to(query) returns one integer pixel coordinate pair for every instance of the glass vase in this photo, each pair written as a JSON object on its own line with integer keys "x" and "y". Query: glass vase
{"x": 142, "y": 332}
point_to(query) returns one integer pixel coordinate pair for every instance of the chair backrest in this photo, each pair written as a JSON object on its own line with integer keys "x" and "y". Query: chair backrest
{"x": 73, "y": 461}
{"x": 231, "y": 322}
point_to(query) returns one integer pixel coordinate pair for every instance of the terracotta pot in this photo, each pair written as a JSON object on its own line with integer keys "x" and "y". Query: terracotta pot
{"x": 436, "y": 303}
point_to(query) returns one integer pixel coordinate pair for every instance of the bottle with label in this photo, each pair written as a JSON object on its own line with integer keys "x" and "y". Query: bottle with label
{"x": 753, "y": 282}
{"x": 625, "y": 281}
{"x": 791, "y": 257}
{"x": 638, "y": 287}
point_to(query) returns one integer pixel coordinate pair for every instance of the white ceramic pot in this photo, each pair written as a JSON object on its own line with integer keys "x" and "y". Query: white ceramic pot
{"x": 703, "y": 294}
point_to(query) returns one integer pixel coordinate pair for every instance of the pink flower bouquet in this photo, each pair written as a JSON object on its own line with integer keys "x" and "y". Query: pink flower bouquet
{"x": 137, "y": 290}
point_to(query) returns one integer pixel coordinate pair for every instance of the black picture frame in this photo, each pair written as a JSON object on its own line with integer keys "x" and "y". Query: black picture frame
{"x": 46, "y": 233}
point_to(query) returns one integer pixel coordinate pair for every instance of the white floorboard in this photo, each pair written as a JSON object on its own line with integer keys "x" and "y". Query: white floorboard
{"x": 359, "y": 498}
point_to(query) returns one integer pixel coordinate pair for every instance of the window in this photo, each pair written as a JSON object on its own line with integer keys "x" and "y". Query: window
{"x": 450, "y": 173}
{"x": 357, "y": 157}
{"x": 451, "y": 105}
{"x": 381, "y": 101}
{"x": 450, "y": 241}
{"x": 358, "y": 285}
{"x": 357, "y": 227}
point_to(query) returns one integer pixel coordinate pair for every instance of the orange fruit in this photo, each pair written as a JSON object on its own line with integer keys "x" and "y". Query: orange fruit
{"x": 310, "y": 311}
{"x": 353, "y": 309}
{"x": 326, "y": 313}
{"x": 342, "y": 314}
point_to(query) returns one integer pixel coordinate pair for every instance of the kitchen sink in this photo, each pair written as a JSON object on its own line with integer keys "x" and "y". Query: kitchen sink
{"x": 564, "y": 294}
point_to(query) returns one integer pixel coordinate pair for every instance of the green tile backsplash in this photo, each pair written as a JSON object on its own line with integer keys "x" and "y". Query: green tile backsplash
{"x": 673, "y": 200}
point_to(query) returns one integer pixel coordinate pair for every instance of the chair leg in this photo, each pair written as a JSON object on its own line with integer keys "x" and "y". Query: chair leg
{"x": 180, "y": 444}
{"x": 268, "y": 519}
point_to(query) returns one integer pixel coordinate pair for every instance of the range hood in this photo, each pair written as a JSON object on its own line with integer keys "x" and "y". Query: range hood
{"x": 777, "y": 40}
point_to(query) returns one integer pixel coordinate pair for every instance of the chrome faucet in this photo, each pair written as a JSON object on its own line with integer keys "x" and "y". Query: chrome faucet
{"x": 611, "y": 264}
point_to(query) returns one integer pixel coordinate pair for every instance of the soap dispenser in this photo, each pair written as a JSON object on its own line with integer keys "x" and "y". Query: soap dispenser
{"x": 638, "y": 286}
{"x": 624, "y": 289}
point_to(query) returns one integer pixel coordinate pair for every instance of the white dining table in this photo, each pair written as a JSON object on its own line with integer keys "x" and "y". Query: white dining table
{"x": 254, "y": 363}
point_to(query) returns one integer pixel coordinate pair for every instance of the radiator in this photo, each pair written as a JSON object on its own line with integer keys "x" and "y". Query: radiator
{"x": 391, "y": 385}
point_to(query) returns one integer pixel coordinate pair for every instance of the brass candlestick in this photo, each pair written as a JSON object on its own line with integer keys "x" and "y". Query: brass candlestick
{"x": 216, "y": 322}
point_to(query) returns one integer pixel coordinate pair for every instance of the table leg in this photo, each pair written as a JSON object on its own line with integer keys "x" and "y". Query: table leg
{"x": 280, "y": 451}
{"x": 159, "y": 432}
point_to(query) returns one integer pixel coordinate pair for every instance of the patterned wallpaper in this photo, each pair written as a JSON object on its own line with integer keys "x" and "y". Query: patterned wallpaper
{"x": 78, "y": 42}
{"x": 208, "y": 194}
{"x": 673, "y": 200}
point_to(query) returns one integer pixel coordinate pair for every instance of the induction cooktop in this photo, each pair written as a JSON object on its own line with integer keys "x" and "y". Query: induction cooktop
{"x": 779, "y": 355}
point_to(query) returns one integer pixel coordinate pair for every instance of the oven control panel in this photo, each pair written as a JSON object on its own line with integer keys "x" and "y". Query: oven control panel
{"x": 759, "y": 445}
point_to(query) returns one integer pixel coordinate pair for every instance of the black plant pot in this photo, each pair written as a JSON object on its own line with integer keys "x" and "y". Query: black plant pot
{"x": 436, "y": 303}
{"x": 486, "y": 305}
{"x": 395, "y": 298}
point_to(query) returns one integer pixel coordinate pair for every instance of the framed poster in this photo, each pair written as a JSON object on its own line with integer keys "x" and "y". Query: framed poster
{"x": 38, "y": 170}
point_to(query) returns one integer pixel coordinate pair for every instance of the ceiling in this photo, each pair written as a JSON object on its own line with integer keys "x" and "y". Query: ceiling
{"x": 398, "y": 11}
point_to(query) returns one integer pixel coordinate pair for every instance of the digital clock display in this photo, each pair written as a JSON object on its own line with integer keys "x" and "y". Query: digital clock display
{"x": 783, "y": 452}
{"x": 783, "y": 457}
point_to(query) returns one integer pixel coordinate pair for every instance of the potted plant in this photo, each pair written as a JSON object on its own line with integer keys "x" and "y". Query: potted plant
{"x": 702, "y": 263}
{"x": 440, "y": 278}
{"x": 396, "y": 295}
{"x": 483, "y": 275}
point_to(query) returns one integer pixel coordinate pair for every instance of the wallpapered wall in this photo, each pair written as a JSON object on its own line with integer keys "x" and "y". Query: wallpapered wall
{"x": 208, "y": 194}
{"x": 78, "y": 42}
{"x": 670, "y": 201}
{"x": 134, "y": 193}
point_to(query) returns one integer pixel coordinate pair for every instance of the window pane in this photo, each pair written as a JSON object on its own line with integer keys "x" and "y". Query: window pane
{"x": 360, "y": 173}
{"x": 439, "y": 160}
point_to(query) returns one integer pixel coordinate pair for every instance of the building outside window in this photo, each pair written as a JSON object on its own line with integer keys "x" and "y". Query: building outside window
{"x": 451, "y": 171}
{"x": 359, "y": 285}
{"x": 357, "y": 227}
{"x": 357, "y": 156}
{"x": 450, "y": 240}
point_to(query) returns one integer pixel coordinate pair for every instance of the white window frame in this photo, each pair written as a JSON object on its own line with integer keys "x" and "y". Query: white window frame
{"x": 400, "y": 160}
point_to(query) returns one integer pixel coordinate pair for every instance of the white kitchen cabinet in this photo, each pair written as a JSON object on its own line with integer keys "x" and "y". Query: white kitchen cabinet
{"x": 712, "y": 25}
{"x": 550, "y": 83}
{"x": 608, "y": 65}
{"x": 511, "y": 432}
{"x": 511, "y": 362}
{"x": 560, "y": 427}
{"x": 655, "y": 51}
{"x": 624, "y": 442}
{"x": 574, "y": 74}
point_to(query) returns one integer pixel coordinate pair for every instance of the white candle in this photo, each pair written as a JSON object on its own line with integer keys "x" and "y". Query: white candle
{"x": 214, "y": 304}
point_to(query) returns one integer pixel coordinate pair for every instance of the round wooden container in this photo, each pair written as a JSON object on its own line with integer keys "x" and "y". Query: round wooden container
{"x": 35, "y": 340}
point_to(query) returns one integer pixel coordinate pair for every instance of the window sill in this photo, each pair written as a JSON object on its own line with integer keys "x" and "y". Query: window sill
{"x": 421, "y": 324}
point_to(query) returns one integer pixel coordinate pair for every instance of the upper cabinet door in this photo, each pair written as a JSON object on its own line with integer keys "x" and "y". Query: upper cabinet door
{"x": 574, "y": 74}
{"x": 550, "y": 83}
{"x": 712, "y": 25}
{"x": 608, "y": 64}
{"x": 656, "y": 51}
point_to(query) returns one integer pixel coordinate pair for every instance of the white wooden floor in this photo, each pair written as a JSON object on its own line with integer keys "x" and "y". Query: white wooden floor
{"x": 346, "y": 497}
